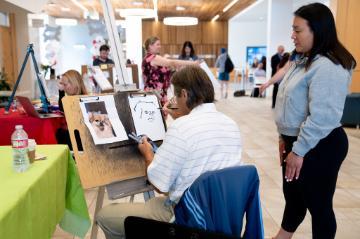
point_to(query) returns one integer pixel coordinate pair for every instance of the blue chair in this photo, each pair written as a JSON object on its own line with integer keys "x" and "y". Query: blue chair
{"x": 218, "y": 200}
{"x": 351, "y": 114}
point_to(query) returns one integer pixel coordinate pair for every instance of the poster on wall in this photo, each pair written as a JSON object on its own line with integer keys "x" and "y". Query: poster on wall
{"x": 255, "y": 53}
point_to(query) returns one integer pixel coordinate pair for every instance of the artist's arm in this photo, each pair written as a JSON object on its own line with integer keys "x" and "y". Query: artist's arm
{"x": 162, "y": 61}
{"x": 172, "y": 109}
{"x": 147, "y": 151}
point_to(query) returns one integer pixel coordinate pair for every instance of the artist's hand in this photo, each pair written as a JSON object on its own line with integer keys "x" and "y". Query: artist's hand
{"x": 146, "y": 150}
{"x": 293, "y": 166}
{"x": 170, "y": 108}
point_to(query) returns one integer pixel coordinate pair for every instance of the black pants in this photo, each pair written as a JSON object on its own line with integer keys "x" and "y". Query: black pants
{"x": 275, "y": 90}
{"x": 314, "y": 190}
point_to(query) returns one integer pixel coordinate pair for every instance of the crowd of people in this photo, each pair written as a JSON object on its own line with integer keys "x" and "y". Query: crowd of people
{"x": 307, "y": 116}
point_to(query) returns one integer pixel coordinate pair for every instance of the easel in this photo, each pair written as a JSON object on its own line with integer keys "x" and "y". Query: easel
{"x": 43, "y": 98}
{"x": 117, "y": 166}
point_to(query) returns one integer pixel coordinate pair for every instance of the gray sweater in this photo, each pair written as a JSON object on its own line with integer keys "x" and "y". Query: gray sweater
{"x": 220, "y": 62}
{"x": 310, "y": 103}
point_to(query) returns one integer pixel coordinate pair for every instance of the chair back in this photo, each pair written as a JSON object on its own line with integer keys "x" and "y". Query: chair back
{"x": 218, "y": 200}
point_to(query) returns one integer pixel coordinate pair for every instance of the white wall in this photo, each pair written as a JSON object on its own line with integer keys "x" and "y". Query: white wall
{"x": 279, "y": 28}
{"x": 243, "y": 34}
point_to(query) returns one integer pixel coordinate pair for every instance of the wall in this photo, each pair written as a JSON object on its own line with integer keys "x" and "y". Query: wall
{"x": 349, "y": 34}
{"x": 279, "y": 28}
{"x": 22, "y": 41}
{"x": 207, "y": 37}
{"x": 243, "y": 34}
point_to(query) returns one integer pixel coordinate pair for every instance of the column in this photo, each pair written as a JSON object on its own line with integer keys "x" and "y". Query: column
{"x": 134, "y": 42}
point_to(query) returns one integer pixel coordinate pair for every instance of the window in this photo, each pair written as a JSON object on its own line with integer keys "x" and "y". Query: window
{"x": 4, "y": 19}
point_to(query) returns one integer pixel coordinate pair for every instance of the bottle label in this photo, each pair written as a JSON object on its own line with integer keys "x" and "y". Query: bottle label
{"x": 19, "y": 144}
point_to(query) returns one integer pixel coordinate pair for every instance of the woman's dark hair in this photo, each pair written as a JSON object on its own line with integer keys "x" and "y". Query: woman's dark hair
{"x": 326, "y": 42}
{"x": 263, "y": 61}
{"x": 190, "y": 45}
{"x": 197, "y": 84}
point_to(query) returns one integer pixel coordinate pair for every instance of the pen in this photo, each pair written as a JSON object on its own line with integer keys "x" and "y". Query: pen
{"x": 172, "y": 108}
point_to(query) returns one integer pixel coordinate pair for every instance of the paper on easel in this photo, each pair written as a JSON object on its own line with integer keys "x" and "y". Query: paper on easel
{"x": 206, "y": 68}
{"x": 147, "y": 116}
{"x": 101, "y": 78}
{"x": 102, "y": 119}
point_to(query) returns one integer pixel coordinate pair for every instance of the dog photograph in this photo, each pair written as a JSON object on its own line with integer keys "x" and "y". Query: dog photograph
{"x": 99, "y": 119}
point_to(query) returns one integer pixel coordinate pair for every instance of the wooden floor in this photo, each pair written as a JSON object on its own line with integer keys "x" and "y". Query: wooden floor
{"x": 260, "y": 142}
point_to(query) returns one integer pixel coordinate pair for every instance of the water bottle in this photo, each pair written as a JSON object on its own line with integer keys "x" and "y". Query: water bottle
{"x": 19, "y": 141}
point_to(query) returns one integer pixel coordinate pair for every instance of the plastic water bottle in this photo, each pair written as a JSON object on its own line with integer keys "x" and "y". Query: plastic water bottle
{"x": 19, "y": 141}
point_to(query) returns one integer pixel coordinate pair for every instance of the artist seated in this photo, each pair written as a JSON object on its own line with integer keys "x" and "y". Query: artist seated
{"x": 70, "y": 83}
{"x": 103, "y": 57}
{"x": 200, "y": 139}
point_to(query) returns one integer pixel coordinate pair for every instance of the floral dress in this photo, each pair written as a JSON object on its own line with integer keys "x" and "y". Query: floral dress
{"x": 155, "y": 77}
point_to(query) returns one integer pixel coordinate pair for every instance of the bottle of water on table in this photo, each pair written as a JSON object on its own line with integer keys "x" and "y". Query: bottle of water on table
{"x": 19, "y": 141}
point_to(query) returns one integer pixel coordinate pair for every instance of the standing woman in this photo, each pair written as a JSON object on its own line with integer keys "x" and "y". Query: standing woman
{"x": 188, "y": 52}
{"x": 223, "y": 76}
{"x": 308, "y": 110}
{"x": 156, "y": 69}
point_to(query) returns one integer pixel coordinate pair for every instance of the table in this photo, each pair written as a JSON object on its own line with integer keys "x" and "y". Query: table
{"x": 34, "y": 202}
{"x": 42, "y": 130}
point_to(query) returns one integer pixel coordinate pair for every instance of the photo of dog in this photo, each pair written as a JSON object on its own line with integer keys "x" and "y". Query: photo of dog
{"x": 101, "y": 124}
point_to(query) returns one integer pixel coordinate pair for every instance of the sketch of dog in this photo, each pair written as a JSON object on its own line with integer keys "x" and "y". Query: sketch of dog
{"x": 101, "y": 124}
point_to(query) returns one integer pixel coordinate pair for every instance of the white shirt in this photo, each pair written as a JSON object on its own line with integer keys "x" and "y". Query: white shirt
{"x": 201, "y": 141}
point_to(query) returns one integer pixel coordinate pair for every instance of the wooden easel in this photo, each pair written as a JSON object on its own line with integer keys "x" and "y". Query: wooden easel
{"x": 117, "y": 166}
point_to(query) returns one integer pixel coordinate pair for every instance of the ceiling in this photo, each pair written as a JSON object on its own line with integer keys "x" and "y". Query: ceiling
{"x": 204, "y": 10}
{"x": 258, "y": 11}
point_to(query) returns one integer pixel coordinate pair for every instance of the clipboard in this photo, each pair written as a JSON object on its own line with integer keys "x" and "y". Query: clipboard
{"x": 100, "y": 165}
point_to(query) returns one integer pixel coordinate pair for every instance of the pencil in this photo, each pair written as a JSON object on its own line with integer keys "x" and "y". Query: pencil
{"x": 171, "y": 108}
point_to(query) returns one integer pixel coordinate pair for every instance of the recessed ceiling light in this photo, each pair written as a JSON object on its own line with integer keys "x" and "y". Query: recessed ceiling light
{"x": 180, "y": 21}
{"x": 65, "y": 9}
{"x": 179, "y": 8}
{"x": 139, "y": 12}
{"x": 137, "y": 3}
{"x": 66, "y": 22}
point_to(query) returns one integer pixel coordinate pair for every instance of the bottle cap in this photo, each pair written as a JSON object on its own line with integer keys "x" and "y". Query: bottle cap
{"x": 19, "y": 126}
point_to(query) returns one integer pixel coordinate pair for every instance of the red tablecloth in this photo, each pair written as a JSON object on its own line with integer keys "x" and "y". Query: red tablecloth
{"x": 42, "y": 130}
